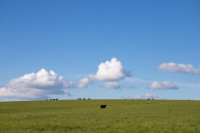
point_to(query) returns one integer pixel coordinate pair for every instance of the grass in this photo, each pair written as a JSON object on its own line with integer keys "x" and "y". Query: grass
{"x": 85, "y": 116}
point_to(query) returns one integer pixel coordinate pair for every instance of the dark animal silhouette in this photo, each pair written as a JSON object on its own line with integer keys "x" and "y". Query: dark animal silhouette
{"x": 103, "y": 106}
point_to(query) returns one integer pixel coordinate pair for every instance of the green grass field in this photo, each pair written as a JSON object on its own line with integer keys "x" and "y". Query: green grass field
{"x": 120, "y": 116}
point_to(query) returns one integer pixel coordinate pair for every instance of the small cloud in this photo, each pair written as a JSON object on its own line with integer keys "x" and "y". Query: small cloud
{"x": 164, "y": 85}
{"x": 67, "y": 92}
{"x": 110, "y": 71}
{"x": 83, "y": 83}
{"x": 35, "y": 85}
{"x": 146, "y": 96}
{"x": 137, "y": 96}
{"x": 178, "y": 68}
{"x": 150, "y": 96}
{"x": 112, "y": 84}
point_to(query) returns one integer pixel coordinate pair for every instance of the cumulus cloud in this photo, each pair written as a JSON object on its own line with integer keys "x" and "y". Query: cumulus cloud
{"x": 35, "y": 85}
{"x": 137, "y": 96}
{"x": 150, "y": 96}
{"x": 164, "y": 85}
{"x": 110, "y": 71}
{"x": 83, "y": 83}
{"x": 112, "y": 84}
{"x": 178, "y": 68}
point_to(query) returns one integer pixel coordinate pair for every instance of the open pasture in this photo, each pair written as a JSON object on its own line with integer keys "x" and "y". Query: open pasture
{"x": 86, "y": 116}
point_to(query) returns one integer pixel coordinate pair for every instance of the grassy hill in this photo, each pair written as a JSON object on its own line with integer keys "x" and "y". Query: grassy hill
{"x": 154, "y": 116}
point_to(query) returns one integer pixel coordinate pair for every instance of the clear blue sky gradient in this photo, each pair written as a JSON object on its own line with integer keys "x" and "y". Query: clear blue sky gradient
{"x": 72, "y": 37}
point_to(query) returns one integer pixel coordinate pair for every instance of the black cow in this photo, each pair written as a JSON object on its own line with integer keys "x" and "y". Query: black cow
{"x": 103, "y": 106}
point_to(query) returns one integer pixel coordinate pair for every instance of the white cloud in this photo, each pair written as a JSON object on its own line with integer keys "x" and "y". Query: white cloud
{"x": 146, "y": 96}
{"x": 67, "y": 92}
{"x": 137, "y": 96}
{"x": 164, "y": 85}
{"x": 111, "y": 85}
{"x": 35, "y": 85}
{"x": 178, "y": 68}
{"x": 83, "y": 83}
{"x": 150, "y": 96}
{"x": 110, "y": 71}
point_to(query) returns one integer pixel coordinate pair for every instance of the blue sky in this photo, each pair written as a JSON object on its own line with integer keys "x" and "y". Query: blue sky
{"x": 73, "y": 37}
